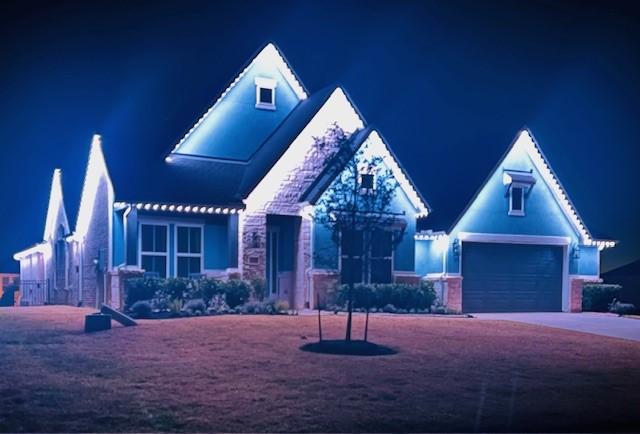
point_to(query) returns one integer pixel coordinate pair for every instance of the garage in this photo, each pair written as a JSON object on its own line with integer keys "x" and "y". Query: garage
{"x": 500, "y": 277}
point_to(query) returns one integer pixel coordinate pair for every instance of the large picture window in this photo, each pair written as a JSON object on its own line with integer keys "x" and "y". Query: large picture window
{"x": 153, "y": 249}
{"x": 352, "y": 257}
{"x": 189, "y": 250}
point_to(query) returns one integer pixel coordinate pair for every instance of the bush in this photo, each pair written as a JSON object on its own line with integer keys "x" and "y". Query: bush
{"x": 621, "y": 308}
{"x": 218, "y": 305}
{"x": 400, "y": 296}
{"x": 139, "y": 289}
{"x": 141, "y": 309}
{"x": 237, "y": 292}
{"x": 264, "y": 307}
{"x": 175, "y": 306}
{"x": 258, "y": 288}
{"x": 195, "y": 307}
{"x": 597, "y": 297}
{"x": 175, "y": 287}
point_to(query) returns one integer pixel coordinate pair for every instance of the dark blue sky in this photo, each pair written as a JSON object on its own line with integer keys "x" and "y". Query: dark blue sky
{"x": 448, "y": 83}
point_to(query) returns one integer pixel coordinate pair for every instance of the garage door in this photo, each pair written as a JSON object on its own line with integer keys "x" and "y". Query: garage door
{"x": 511, "y": 277}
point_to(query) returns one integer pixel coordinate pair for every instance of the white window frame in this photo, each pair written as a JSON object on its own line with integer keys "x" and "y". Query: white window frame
{"x": 144, "y": 253}
{"x": 361, "y": 257}
{"x": 266, "y": 83}
{"x": 188, "y": 255}
{"x": 517, "y": 212}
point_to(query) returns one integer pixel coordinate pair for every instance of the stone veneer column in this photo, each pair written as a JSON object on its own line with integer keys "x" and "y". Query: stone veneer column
{"x": 116, "y": 285}
{"x": 454, "y": 294}
{"x": 575, "y": 295}
{"x": 254, "y": 248}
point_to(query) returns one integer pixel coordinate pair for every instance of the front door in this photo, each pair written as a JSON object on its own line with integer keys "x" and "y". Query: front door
{"x": 272, "y": 261}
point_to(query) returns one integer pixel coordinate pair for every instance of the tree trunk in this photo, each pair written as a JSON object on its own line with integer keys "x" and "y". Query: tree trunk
{"x": 349, "y": 309}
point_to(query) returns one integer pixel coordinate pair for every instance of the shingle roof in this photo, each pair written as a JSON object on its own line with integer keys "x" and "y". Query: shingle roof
{"x": 205, "y": 181}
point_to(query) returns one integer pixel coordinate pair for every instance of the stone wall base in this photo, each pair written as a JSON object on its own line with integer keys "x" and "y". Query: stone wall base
{"x": 322, "y": 284}
{"x": 116, "y": 286}
{"x": 453, "y": 294}
{"x": 575, "y": 295}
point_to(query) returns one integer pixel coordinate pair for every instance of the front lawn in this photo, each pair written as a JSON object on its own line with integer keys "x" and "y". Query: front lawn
{"x": 246, "y": 373}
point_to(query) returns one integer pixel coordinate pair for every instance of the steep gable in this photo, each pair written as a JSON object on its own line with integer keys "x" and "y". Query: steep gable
{"x": 56, "y": 213}
{"x": 236, "y": 125}
{"x": 548, "y": 209}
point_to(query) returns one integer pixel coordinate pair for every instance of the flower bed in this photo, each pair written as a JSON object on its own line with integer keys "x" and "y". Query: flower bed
{"x": 177, "y": 297}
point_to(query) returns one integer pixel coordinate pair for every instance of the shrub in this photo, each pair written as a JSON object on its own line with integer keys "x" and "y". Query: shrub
{"x": 400, "y": 295}
{"x": 237, "y": 292}
{"x": 175, "y": 306}
{"x": 139, "y": 289}
{"x": 621, "y": 308}
{"x": 141, "y": 309}
{"x": 389, "y": 308}
{"x": 597, "y": 297}
{"x": 258, "y": 288}
{"x": 218, "y": 305}
{"x": 175, "y": 287}
{"x": 281, "y": 306}
{"x": 195, "y": 307}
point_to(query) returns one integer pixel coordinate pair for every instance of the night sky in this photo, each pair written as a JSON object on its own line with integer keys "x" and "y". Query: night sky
{"x": 448, "y": 84}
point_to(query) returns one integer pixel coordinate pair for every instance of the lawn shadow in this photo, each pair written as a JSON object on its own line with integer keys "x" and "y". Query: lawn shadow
{"x": 348, "y": 348}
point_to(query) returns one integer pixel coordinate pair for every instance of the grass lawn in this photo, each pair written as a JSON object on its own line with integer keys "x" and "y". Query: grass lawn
{"x": 246, "y": 373}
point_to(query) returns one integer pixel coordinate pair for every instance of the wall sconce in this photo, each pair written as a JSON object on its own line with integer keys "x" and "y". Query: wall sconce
{"x": 456, "y": 247}
{"x": 575, "y": 251}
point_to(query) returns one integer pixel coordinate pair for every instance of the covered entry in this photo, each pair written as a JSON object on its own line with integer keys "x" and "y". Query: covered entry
{"x": 500, "y": 277}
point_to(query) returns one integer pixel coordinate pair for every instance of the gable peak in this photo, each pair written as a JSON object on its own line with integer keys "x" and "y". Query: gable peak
{"x": 55, "y": 208}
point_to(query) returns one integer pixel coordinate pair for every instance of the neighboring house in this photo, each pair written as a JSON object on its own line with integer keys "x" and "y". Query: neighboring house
{"x": 519, "y": 245}
{"x": 235, "y": 197}
{"x": 629, "y": 277}
{"x": 8, "y": 285}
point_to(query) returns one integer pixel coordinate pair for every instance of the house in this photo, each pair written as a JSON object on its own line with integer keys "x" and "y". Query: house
{"x": 519, "y": 245}
{"x": 8, "y": 285}
{"x": 234, "y": 197}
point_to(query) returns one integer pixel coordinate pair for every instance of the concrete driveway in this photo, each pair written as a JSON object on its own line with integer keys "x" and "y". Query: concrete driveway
{"x": 588, "y": 322}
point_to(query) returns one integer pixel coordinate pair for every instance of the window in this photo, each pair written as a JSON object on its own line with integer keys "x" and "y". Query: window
{"x": 516, "y": 201}
{"x": 153, "y": 249}
{"x": 366, "y": 181}
{"x": 352, "y": 256}
{"x": 381, "y": 252}
{"x": 266, "y": 93}
{"x": 189, "y": 250}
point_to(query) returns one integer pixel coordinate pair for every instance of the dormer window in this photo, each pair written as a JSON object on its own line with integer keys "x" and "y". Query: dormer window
{"x": 518, "y": 184}
{"x": 516, "y": 201}
{"x": 266, "y": 93}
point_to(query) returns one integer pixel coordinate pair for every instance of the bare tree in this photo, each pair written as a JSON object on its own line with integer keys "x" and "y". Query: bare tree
{"x": 357, "y": 209}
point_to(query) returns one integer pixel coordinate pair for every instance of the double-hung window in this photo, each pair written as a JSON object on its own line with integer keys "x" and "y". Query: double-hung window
{"x": 189, "y": 250}
{"x": 153, "y": 249}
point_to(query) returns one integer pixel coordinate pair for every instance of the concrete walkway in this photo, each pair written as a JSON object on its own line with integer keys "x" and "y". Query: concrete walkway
{"x": 588, "y": 322}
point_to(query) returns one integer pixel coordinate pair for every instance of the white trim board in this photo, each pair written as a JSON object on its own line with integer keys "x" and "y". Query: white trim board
{"x": 513, "y": 239}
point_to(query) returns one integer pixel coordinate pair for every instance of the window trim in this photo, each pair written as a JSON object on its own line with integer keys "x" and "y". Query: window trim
{"x": 188, "y": 255}
{"x": 517, "y": 212}
{"x": 266, "y": 83}
{"x": 145, "y": 253}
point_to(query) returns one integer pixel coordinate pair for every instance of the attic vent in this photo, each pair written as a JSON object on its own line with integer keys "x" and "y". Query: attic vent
{"x": 266, "y": 93}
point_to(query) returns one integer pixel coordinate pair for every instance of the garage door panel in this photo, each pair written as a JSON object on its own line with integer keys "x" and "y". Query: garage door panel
{"x": 511, "y": 277}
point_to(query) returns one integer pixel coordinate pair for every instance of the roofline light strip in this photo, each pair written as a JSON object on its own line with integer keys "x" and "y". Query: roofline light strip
{"x": 272, "y": 52}
{"x": 181, "y": 208}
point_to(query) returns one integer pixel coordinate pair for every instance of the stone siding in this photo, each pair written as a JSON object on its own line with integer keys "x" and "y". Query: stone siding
{"x": 575, "y": 295}
{"x": 454, "y": 294}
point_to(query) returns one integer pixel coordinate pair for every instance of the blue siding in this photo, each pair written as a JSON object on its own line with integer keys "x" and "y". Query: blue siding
{"x": 429, "y": 255}
{"x": 216, "y": 252}
{"x": 172, "y": 249}
{"x": 132, "y": 237}
{"x": 233, "y": 240}
{"x": 589, "y": 262}
{"x": 224, "y": 133}
{"x": 325, "y": 251}
{"x": 118, "y": 239}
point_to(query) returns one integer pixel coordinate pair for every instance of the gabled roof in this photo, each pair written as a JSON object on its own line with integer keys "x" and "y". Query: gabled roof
{"x": 56, "y": 212}
{"x": 371, "y": 139}
{"x": 208, "y": 134}
{"x": 527, "y": 142}
{"x": 218, "y": 182}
